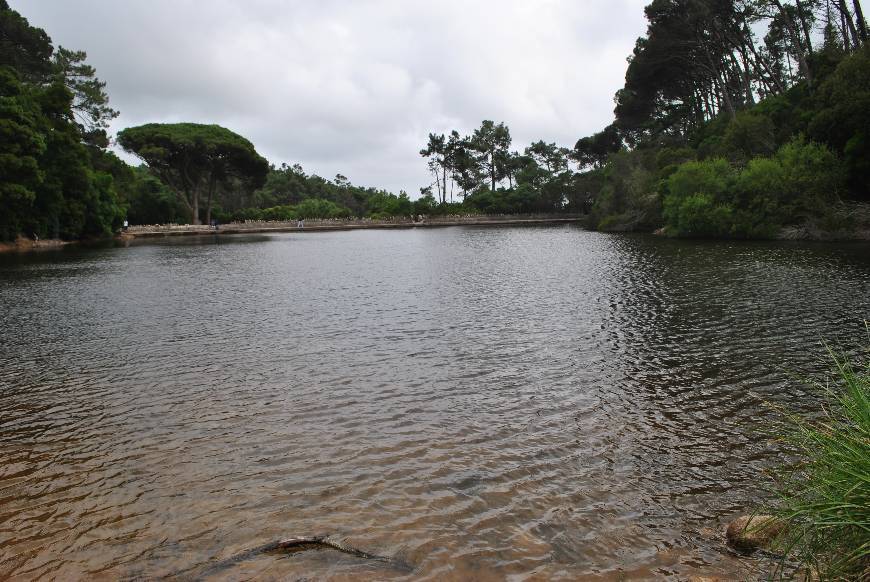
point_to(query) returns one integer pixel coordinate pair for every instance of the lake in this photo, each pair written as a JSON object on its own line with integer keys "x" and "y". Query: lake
{"x": 481, "y": 402}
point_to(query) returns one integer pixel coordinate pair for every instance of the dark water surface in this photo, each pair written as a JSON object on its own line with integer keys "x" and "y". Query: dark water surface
{"x": 486, "y": 403}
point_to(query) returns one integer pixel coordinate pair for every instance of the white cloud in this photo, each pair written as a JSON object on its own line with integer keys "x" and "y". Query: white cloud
{"x": 355, "y": 86}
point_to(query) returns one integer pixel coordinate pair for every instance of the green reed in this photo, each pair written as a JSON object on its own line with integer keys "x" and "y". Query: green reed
{"x": 825, "y": 497}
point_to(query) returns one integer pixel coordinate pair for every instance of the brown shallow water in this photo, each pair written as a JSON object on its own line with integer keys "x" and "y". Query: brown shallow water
{"x": 485, "y": 403}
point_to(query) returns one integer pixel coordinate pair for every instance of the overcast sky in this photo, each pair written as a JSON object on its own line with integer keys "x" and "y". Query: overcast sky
{"x": 355, "y": 86}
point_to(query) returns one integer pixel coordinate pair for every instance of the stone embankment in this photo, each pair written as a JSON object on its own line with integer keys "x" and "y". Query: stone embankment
{"x": 260, "y": 226}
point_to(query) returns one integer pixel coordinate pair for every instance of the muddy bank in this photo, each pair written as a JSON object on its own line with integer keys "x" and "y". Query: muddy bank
{"x": 25, "y": 245}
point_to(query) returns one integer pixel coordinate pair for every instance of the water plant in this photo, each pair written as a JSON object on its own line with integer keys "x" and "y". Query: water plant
{"x": 824, "y": 499}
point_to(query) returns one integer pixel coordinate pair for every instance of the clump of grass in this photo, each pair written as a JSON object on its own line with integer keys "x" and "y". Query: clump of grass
{"x": 825, "y": 498}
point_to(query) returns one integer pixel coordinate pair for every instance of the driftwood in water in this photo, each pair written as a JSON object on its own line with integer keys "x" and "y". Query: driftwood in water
{"x": 301, "y": 544}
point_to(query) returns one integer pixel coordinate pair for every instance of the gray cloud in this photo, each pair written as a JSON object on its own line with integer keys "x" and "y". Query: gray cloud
{"x": 355, "y": 86}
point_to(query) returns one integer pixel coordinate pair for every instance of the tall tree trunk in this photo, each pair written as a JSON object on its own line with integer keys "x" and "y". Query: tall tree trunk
{"x": 191, "y": 191}
{"x": 444, "y": 180}
{"x": 847, "y": 16}
{"x": 859, "y": 20}
{"x": 195, "y": 206}
{"x": 708, "y": 107}
{"x": 774, "y": 78}
{"x": 747, "y": 66}
{"x": 492, "y": 169}
{"x": 744, "y": 75}
{"x": 845, "y": 32}
{"x": 726, "y": 93}
{"x": 805, "y": 26}
{"x": 847, "y": 42}
{"x": 434, "y": 169}
{"x": 211, "y": 188}
{"x": 721, "y": 84}
{"x": 797, "y": 43}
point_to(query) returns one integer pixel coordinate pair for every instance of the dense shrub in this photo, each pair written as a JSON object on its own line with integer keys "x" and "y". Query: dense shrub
{"x": 629, "y": 195}
{"x": 319, "y": 208}
{"x": 385, "y": 204}
{"x": 149, "y": 201}
{"x": 698, "y": 214}
{"x": 813, "y": 177}
{"x": 714, "y": 177}
{"x": 711, "y": 198}
{"x": 841, "y": 118}
{"x": 747, "y": 136}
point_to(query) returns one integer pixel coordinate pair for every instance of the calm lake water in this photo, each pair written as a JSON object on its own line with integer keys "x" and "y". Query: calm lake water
{"x": 484, "y": 403}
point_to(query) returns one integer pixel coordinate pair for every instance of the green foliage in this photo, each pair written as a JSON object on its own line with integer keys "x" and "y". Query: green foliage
{"x": 90, "y": 101}
{"x": 712, "y": 177}
{"x": 195, "y": 160}
{"x": 772, "y": 177}
{"x": 693, "y": 83}
{"x": 698, "y": 214}
{"x": 842, "y": 118}
{"x": 760, "y": 195}
{"x": 314, "y": 208}
{"x": 384, "y": 204}
{"x": 713, "y": 198}
{"x": 23, "y": 48}
{"x": 695, "y": 205}
{"x": 749, "y": 135}
{"x": 814, "y": 176}
{"x": 290, "y": 185}
{"x": 825, "y": 498}
{"x": 492, "y": 142}
{"x": 279, "y": 213}
{"x": 319, "y": 208}
{"x": 426, "y": 203}
{"x": 51, "y": 183}
{"x": 594, "y": 150}
{"x": 479, "y": 167}
{"x": 629, "y": 196}
{"x": 149, "y": 201}
{"x": 21, "y": 148}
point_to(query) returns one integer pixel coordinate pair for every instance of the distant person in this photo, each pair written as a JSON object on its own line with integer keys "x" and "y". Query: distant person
{"x": 126, "y": 225}
{"x": 300, "y": 223}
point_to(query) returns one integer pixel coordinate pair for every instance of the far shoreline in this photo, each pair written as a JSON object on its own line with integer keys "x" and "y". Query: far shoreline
{"x": 260, "y": 227}
{"x": 24, "y": 245}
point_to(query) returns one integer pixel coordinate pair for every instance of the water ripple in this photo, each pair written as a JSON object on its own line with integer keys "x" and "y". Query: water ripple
{"x": 484, "y": 403}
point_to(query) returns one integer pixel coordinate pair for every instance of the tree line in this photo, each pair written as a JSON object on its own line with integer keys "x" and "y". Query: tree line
{"x": 737, "y": 118}
{"x": 482, "y": 169}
